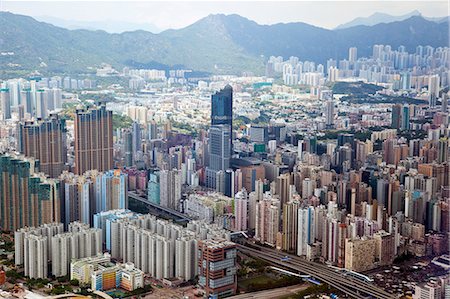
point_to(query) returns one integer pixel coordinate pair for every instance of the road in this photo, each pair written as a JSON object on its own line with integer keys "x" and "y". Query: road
{"x": 352, "y": 287}
{"x": 174, "y": 214}
{"x": 272, "y": 294}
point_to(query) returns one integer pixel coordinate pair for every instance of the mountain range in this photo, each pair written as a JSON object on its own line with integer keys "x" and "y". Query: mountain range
{"x": 379, "y": 17}
{"x": 110, "y": 26}
{"x": 217, "y": 44}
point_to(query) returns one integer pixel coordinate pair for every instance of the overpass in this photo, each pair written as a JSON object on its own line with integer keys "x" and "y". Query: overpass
{"x": 352, "y": 287}
{"x": 157, "y": 209}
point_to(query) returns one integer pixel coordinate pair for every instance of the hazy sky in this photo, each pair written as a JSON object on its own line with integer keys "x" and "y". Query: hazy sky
{"x": 175, "y": 14}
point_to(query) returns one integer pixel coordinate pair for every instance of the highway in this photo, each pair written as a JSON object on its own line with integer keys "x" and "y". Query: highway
{"x": 352, "y": 287}
{"x": 273, "y": 293}
{"x": 172, "y": 213}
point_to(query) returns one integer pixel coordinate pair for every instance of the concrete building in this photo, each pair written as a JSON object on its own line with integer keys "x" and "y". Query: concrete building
{"x": 241, "y": 210}
{"x": 217, "y": 267}
{"x": 112, "y": 190}
{"x": 93, "y": 140}
{"x": 360, "y": 254}
{"x": 29, "y": 198}
{"x": 385, "y": 248}
{"x": 45, "y": 140}
{"x": 102, "y": 274}
{"x": 170, "y": 188}
{"x": 84, "y": 242}
{"x": 306, "y": 229}
{"x": 267, "y": 220}
{"x": 290, "y": 226}
{"x": 35, "y": 256}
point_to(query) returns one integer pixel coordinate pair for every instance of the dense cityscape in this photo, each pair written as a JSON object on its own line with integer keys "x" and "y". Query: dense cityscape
{"x": 313, "y": 180}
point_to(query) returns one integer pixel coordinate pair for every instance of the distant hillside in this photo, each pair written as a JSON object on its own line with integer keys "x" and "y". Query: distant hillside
{"x": 378, "y": 18}
{"x": 217, "y": 44}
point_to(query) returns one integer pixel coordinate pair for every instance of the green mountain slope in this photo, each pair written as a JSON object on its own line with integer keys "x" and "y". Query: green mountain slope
{"x": 217, "y": 44}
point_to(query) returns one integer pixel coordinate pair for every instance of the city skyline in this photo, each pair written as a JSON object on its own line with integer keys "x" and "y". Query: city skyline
{"x": 228, "y": 157}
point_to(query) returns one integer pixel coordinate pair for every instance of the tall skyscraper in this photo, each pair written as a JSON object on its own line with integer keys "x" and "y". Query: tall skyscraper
{"x": 45, "y": 140}
{"x": 329, "y": 114}
{"x": 170, "y": 188}
{"x": 222, "y": 109}
{"x": 405, "y": 118}
{"x": 305, "y": 229}
{"x": 352, "y": 54}
{"x": 219, "y": 152}
{"x": 27, "y": 198}
{"x": 433, "y": 89}
{"x": 136, "y": 139}
{"x": 290, "y": 226}
{"x": 93, "y": 140}
{"x": 5, "y": 103}
{"x": 444, "y": 102}
{"x": 396, "y": 116}
{"x": 152, "y": 128}
{"x": 27, "y": 101}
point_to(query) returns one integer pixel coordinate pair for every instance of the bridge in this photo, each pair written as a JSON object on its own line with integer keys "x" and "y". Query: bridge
{"x": 157, "y": 209}
{"x": 352, "y": 287}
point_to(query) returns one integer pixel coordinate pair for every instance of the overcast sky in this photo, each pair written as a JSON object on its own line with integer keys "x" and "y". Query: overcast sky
{"x": 173, "y": 14}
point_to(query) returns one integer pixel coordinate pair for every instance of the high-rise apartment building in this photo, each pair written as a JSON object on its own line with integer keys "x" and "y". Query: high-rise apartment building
{"x": 352, "y": 54}
{"x": 217, "y": 267}
{"x": 433, "y": 89}
{"x": 27, "y": 197}
{"x": 170, "y": 188}
{"x": 36, "y": 258}
{"x": 77, "y": 243}
{"x": 290, "y": 226}
{"x": 45, "y": 140}
{"x": 267, "y": 220}
{"x": 306, "y": 229}
{"x": 241, "y": 210}
{"x": 112, "y": 190}
{"x": 93, "y": 140}
{"x": 329, "y": 113}
{"x": 5, "y": 104}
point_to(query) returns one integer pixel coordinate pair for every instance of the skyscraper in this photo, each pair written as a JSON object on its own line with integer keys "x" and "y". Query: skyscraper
{"x": 329, "y": 114}
{"x": 433, "y": 89}
{"x": 170, "y": 188}
{"x": 27, "y": 198}
{"x": 154, "y": 188}
{"x": 396, "y": 116}
{"x": 112, "y": 190}
{"x": 444, "y": 102}
{"x": 219, "y": 152}
{"x": 352, "y": 54}
{"x": 222, "y": 109}
{"x": 136, "y": 139}
{"x": 152, "y": 128}
{"x": 93, "y": 140}
{"x": 5, "y": 104}
{"x": 405, "y": 118}
{"x": 45, "y": 140}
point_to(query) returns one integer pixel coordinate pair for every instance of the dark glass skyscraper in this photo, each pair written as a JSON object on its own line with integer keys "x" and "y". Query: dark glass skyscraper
{"x": 222, "y": 108}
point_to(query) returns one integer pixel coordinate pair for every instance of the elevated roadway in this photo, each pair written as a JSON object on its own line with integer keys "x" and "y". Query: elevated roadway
{"x": 353, "y": 287}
